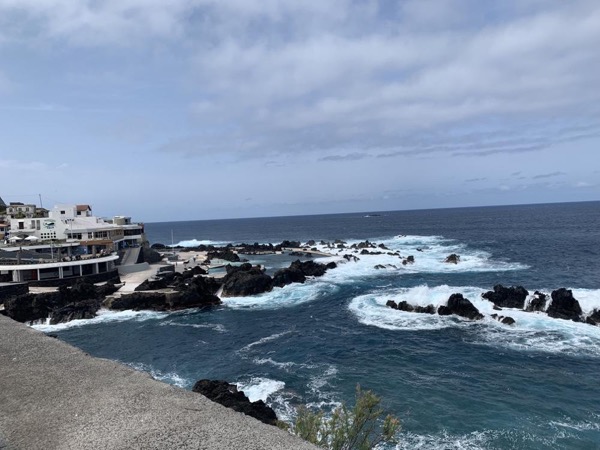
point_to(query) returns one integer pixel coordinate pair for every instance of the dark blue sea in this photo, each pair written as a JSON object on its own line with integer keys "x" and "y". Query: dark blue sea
{"x": 455, "y": 384}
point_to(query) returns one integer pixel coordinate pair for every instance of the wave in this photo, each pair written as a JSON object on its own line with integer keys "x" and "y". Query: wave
{"x": 287, "y": 296}
{"x": 476, "y": 440}
{"x": 104, "y": 316}
{"x": 429, "y": 254}
{"x": 212, "y": 326}
{"x": 166, "y": 377}
{"x": 196, "y": 243}
{"x": 259, "y": 388}
{"x": 531, "y": 332}
{"x": 264, "y": 340}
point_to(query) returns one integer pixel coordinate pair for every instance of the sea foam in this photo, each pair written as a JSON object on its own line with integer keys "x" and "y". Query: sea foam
{"x": 260, "y": 388}
{"x": 104, "y": 315}
{"x": 531, "y": 332}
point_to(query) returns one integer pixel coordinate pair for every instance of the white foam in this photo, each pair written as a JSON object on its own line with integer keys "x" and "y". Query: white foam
{"x": 589, "y": 299}
{"x": 212, "y": 326}
{"x": 166, "y": 377}
{"x": 531, "y": 332}
{"x": 259, "y": 388}
{"x": 477, "y": 440}
{"x": 287, "y": 366}
{"x": 264, "y": 340}
{"x": 431, "y": 259}
{"x": 286, "y": 296}
{"x": 104, "y": 315}
{"x": 197, "y": 243}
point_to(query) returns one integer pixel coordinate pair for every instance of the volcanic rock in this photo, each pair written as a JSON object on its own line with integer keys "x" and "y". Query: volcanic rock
{"x": 564, "y": 306}
{"x": 245, "y": 280}
{"x": 594, "y": 318}
{"x": 537, "y": 303}
{"x": 452, "y": 259}
{"x": 228, "y": 395}
{"x": 460, "y": 306}
{"x": 511, "y": 297}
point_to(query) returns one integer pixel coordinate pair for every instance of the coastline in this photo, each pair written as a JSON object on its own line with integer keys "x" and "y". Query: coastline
{"x": 55, "y": 396}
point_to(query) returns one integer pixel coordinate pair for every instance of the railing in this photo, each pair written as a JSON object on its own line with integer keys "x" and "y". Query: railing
{"x": 29, "y": 261}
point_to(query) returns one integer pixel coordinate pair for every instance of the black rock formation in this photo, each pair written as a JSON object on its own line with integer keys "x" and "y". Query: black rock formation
{"x": 228, "y": 395}
{"x": 460, "y": 306}
{"x": 564, "y": 306}
{"x": 537, "y": 303}
{"x": 298, "y": 271}
{"x": 593, "y": 318}
{"x": 452, "y": 259}
{"x": 507, "y": 297}
{"x": 245, "y": 280}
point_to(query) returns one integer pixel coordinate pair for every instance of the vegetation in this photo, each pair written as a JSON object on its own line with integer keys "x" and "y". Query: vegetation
{"x": 359, "y": 428}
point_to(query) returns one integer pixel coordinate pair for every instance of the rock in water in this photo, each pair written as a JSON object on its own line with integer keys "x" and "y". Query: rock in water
{"x": 452, "y": 259}
{"x": 594, "y": 318}
{"x": 245, "y": 280}
{"x": 460, "y": 306}
{"x": 511, "y": 297}
{"x": 537, "y": 303}
{"x": 298, "y": 271}
{"x": 564, "y": 306}
{"x": 228, "y": 395}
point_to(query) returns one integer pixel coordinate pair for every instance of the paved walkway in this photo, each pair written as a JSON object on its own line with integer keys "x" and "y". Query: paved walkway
{"x": 54, "y": 396}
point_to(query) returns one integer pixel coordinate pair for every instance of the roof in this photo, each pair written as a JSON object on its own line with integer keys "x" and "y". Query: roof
{"x": 83, "y": 207}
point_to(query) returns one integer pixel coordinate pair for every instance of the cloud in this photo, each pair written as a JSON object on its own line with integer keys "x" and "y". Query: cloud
{"x": 474, "y": 180}
{"x": 548, "y": 175}
{"x": 415, "y": 78}
{"x": 347, "y": 157}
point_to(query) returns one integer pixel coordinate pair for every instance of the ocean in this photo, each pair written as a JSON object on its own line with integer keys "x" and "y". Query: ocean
{"x": 454, "y": 384}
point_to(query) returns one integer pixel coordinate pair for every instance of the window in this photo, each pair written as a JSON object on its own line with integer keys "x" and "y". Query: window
{"x": 62, "y": 212}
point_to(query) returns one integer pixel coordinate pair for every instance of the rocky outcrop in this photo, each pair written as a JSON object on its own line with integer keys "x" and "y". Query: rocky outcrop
{"x": 407, "y": 307}
{"x": 452, "y": 259}
{"x": 224, "y": 254}
{"x": 564, "y": 305}
{"x": 299, "y": 271}
{"x": 537, "y": 302}
{"x": 149, "y": 255}
{"x": 460, "y": 306}
{"x": 507, "y": 297}
{"x": 229, "y": 396}
{"x": 364, "y": 244}
{"x": 198, "y": 292}
{"x": 290, "y": 244}
{"x": 86, "y": 309}
{"x": 506, "y": 320}
{"x": 245, "y": 280}
{"x": 81, "y": 300}
{"x": 593, "y": 318}
{"x": 408, "y": 260}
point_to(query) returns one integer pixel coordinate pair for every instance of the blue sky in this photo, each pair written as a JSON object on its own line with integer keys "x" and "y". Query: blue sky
{"x": 199, "y": 109}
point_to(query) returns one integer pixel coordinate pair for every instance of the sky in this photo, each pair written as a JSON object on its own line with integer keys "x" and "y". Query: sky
{"x": 203, "y": 109}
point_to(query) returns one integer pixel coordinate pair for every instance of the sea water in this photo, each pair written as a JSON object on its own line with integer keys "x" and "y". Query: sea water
{"x": 455, "y": 384}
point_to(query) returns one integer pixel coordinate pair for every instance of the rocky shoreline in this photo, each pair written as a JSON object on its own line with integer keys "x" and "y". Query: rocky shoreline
{"x": 193, "y": 287}
{"x": 168, "y": 289}
{"x": 562, "y": 305}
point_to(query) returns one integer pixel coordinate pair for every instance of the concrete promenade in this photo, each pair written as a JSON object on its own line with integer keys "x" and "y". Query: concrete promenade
{"x": 55, "y": 396}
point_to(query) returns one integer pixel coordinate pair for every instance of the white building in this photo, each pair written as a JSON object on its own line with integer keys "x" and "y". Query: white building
{"x": 70, "y": 242}
{"x": 70, "y": 223}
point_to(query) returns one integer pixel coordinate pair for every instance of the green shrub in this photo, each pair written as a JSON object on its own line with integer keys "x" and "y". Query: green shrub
{"x": 348, "y": 429}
